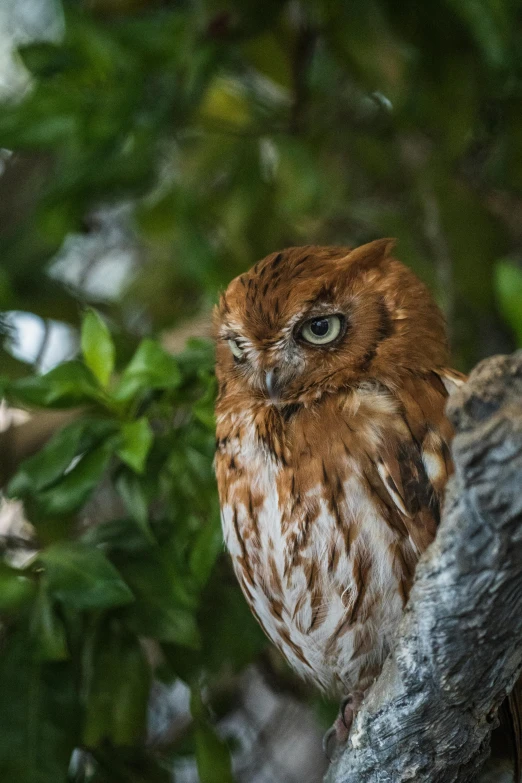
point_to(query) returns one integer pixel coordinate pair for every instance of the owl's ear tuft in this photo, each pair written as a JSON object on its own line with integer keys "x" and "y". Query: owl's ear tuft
{"x": 371, "y": 254}
{"x": 223, "y": 305}
{"x": 216, "y": 321}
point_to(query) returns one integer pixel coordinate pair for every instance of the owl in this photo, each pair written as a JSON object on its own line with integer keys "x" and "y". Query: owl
{"x": 332, "y": 451}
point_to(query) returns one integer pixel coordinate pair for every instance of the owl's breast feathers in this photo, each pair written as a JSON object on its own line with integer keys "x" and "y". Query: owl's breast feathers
{"x": 325, "y": 511}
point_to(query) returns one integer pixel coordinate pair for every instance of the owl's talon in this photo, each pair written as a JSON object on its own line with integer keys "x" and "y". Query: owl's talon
{"x": 350, "y": 705}
{"x": 338, "y": 734}
{"x": 335, "y": 738}
{"x": 328, "y": 747}
{"x": 346, "y": 706}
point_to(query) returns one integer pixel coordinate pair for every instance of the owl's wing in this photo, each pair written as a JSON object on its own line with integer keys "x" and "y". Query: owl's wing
{"x": 410, "y": 472}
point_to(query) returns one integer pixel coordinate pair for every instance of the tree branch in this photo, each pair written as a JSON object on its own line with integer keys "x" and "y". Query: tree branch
{"x": 429, "y": 716}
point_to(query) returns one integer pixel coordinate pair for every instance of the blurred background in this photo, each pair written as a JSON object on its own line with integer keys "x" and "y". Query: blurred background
{"x": 150, "y": 150}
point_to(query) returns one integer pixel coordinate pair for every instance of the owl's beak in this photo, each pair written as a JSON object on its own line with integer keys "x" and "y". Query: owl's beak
{"x": 271, "y": 385}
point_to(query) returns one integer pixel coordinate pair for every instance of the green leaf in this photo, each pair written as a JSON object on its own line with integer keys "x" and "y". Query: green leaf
{"x": 197, "y": 359}
{"x": 39, "y": 719}
{"x": 49, "y": 465}
{"x": 118, "y": 535}
{"x": 156, "y": 618}
{"x": 225, "y": 103}
{"x": 508, "y": 283}
{"x": 15, "y": 588}
{"x": 97, "y": 347}
{"x": 137, "y": 439}
{"x": 72, "y": 491}
{"x": 161, "y": 609}
{"x": 212, "y": 756}
{"x": 224, "y": 610}
{"x": 131, "y": 490}
{"x": 212, "y": 753}
{"x": 118, "y": 689}
{"x": 47, "y": 629}
{"x": 203, "y": 409}
{"x": 151, "y": 367}
{"x": 82, "y": 577}
{"x": 69, "y": 384}
{"x": 270, "y": 58}
{"x": 488, "y": 24}
{"x": 205, "y": 549}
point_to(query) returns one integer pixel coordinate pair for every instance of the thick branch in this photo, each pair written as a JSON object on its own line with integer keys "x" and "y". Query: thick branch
{"x": 429, "y": 716}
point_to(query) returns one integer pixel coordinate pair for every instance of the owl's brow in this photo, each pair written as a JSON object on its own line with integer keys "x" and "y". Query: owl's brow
{"x": 315, "y": 309}
{"x": 230, "y": 331}
{"x": 224, "y": 306}
{"x": 326, "y": 294}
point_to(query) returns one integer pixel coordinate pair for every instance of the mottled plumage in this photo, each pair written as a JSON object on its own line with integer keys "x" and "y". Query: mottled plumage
{"x": 331, "y": 458}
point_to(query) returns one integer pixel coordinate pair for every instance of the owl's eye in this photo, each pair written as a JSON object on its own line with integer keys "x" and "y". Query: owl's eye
{"x": 236, "y": 350}
{"x": 321, "y": 330}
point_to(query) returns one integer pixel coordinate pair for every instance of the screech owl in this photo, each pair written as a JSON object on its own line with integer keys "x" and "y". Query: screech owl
{"x": 332, "y": 449}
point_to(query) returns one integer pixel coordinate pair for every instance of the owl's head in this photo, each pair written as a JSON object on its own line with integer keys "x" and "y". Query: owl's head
{"x": 314, "y": 320}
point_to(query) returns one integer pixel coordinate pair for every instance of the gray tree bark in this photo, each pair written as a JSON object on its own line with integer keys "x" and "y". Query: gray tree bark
{"x": 429, "y": 716}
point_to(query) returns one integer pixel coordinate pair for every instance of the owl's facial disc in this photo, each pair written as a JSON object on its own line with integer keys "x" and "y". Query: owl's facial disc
{"x": 275, "y": 370}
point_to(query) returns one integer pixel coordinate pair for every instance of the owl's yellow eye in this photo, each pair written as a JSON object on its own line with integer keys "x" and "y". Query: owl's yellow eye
{"x": 236, "y": 350}
{"x": 321, "y": 330}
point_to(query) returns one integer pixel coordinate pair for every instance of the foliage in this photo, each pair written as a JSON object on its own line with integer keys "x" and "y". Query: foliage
{"x": 509, "y": 293}
{"x": 235, "y": 128}
{"x": 75, "y": 671}
{"x": 221, "y": 130}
